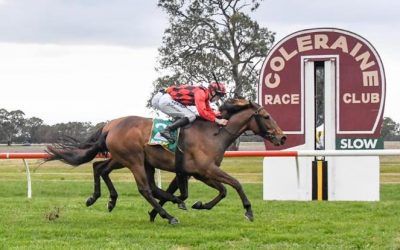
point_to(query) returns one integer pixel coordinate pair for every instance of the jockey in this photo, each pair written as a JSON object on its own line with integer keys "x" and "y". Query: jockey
{"x": 174, "y": 101}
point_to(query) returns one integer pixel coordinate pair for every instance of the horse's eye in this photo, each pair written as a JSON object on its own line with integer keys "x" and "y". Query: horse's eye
{"x": 267, "y": 117}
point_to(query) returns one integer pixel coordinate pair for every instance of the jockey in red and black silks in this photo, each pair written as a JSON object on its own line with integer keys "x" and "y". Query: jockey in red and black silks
{"x": 175, "y": 100}
{"x": 193, "y": 96}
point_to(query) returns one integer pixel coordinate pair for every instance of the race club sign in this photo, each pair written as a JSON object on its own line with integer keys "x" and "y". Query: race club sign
{"x": 359, "y": 86}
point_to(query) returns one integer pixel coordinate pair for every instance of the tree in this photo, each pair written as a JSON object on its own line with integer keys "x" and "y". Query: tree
{"x": 3, "y": 120}
{"x": 46, "y": 134}
{"x": 390, "y": 129}
{"x": 11, "y": 124}
{"x": 78, "y": 130}
{"x": 15, "y": 128}
{"x": 31, "y": 129}
{"x": 213, "y": 36}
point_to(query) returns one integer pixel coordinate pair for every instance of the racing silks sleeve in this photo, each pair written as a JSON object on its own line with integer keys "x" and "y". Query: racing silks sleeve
{"x": 203, "y": 106}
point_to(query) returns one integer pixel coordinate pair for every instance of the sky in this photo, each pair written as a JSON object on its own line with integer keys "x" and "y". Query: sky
{"x": 94, "y": 60}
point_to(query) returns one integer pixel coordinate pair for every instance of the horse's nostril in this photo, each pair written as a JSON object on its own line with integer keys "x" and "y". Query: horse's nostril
{"x": 283, "y": 140}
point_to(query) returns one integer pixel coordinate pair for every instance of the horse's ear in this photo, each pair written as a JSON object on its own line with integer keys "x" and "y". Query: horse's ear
{"x": 252, "y": 104}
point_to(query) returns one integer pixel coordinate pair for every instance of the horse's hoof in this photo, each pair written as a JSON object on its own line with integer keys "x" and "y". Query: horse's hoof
{"x": 182, "y": 206}
{"x": 90, "y": 201}
{"x": 197, "y": 205}
{"x": 152, "y": 216}
{"x": 173, "y": 221}
{"x": 110, "y": 206}
{"x": 249, "y": 216}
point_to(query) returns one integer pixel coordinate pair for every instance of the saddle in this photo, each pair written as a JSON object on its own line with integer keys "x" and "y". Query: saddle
{"x": 157, "y": 139}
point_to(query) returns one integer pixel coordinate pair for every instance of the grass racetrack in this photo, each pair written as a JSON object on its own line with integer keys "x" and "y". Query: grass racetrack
{"x": 57, "y": 218}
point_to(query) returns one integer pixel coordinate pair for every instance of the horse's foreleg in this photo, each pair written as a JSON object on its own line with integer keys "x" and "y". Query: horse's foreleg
{"x": 182, "y": 182}
{"x": 181, "y": 176}
{"x": 161, "y": 194}
{"x": 173, "y": 186}
{"x": 144, "y": 189}
{"x": 216, "y": 200}
{"x": 97, "y": 168}
{"x": 219, "y": 175}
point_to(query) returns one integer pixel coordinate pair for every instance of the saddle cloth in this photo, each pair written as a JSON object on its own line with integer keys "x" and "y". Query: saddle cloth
{"x": 157, "y": 139}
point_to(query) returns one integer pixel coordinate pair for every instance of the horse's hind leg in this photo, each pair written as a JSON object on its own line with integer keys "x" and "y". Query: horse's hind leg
{"x": 219, "y": 175}
{"x": 216, "y": 200}
{"x": 98, "y": 166}
{"x": 105, "y": 174}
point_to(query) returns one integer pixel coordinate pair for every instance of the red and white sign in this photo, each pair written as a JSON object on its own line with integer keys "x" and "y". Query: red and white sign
{"x": 359, "y": 82}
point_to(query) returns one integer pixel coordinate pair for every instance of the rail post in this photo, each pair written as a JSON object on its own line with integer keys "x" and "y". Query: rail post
{"x": 28, "y": 178}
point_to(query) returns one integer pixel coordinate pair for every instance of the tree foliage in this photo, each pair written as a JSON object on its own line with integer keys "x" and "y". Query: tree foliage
{"x": 390, "y": 129}
{"x": 213, "y": 36}
{"x": 11, "y": 124}
{"x": 15, "y": 128}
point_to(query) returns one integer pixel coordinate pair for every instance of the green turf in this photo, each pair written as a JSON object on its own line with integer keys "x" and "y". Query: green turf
{"x": 62, "y": 190}
{"x": 278, "y": 225}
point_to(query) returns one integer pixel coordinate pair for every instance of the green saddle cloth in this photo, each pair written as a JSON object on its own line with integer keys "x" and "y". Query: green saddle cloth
{"x": 157, "y": 139}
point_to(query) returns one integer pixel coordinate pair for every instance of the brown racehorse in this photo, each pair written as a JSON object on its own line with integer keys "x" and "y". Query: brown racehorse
{"x": 204, "y": 144}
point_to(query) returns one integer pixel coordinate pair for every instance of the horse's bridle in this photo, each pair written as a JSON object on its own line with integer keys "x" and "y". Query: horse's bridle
{"x": 263, "y": 129}
{"x": 257, "y": 116}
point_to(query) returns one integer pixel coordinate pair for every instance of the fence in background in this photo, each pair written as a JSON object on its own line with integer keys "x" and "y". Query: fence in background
{"x": 302, "y": 153}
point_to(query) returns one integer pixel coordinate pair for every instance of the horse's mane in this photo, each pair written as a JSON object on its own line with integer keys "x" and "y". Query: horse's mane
{"x": 232, "y": 106}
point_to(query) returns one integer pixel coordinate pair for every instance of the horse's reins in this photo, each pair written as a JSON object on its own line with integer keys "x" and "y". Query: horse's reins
{"x": 263, "y": 130}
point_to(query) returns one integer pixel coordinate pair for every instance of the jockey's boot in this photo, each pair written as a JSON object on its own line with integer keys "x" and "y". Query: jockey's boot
{"x": 166, "y": 133}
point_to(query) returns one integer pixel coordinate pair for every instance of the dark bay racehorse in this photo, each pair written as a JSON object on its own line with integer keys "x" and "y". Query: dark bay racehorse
{"x": 204, "y": 144}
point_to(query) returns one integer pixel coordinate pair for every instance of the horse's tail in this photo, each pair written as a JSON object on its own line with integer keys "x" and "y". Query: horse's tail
{"x": 75, "y": 153}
